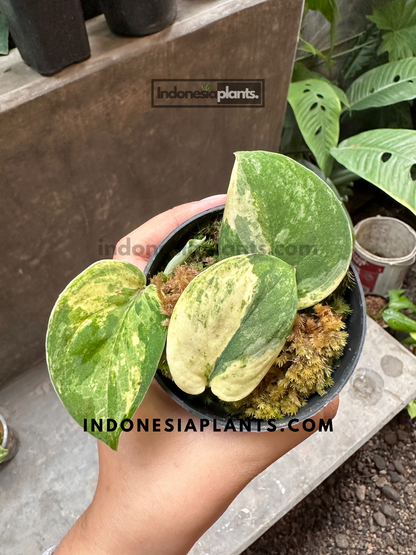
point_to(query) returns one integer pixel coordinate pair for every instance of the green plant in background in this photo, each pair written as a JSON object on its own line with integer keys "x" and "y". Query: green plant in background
{"x": 4, "y": 36}
{"x": 229, "y": 322}
{"x": 330, "y": 10}
{"x": 398, "y": 20}
{"x": 318, "y": 113}
{"x": 411, "y": 409}
{"x": 398, "y": 321}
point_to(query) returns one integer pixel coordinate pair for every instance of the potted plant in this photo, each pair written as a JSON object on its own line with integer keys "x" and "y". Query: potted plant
{"x": 49, "y": 35}
{"x": 139, "y": 17}
{"x": 9, "y": 442}
{"x": 256, "y": 315}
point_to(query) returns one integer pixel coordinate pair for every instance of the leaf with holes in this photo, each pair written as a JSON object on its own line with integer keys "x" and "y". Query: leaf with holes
{"x": 386, "y": 158}
{"x": 398, "y": 18}
{"x": 384, "y": 85}
{"x": 301, "y": 72}
{"x": 276, "y": 206}
{"x": 105, "y": 338}
{"x": 317, "y": 109}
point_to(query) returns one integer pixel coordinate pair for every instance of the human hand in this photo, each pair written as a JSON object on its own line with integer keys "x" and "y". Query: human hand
{"x": 162, "y": 490}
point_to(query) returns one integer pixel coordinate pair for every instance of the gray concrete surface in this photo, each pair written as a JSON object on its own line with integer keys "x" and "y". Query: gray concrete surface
{"x": 52, "y": 479}
{"x": 84, "y": 157}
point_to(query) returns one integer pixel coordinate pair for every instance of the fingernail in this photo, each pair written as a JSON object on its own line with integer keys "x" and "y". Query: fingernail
{"x": 214, "y": 197}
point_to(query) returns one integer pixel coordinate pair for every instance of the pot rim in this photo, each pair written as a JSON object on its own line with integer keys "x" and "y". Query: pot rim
{"x": 332, "y": 392}
{"x": 381, "y": 259}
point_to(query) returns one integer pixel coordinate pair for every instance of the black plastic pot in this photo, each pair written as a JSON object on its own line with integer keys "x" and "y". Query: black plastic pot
{"x": 139, "y": 17}
{"x": 355, "y": 326}
{"x": 50, "y": 34}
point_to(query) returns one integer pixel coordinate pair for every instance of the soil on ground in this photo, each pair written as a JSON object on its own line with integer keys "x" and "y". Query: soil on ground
{"x": 366, "y": 506}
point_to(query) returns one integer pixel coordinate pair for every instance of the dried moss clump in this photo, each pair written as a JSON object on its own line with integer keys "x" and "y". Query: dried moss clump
{"x": 169, "y": 290}
{"x": 303, "y": 367}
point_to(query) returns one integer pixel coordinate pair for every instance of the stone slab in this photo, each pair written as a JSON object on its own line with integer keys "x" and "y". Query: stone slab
{"x": 52, "y": 479}
{"x": 379, "y": 388}
{"x": 85, "y": 159}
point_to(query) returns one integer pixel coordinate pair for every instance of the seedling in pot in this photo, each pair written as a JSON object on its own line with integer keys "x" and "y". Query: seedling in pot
{"x": 285, "y": 245}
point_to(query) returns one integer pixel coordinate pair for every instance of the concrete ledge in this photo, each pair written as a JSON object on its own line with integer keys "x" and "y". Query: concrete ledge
{"x": 19, "y": 83}
{"x": 53, "y": 477}
{"x": 85, "y": 158}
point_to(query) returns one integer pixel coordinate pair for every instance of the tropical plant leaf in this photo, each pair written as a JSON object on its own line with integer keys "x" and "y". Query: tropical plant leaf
{"x": 398, "y": 300}
{"x": 398, "y": 321}
{"x": 230, "y": 324}
{"x": 317, "y": 109}
{"x": 301, "y": 72}
{"x": 291, "y": 141}
{"x": 328, "y": 8}
{"x": 386, "y": 158}
{"x": 362, "y": 58}
{"x": 3, "y": 453}
{"x": 104, "y": 341}
{"x": 185, "y": 253}
{"x": 342, "y": 197}
{"x": 276, "y": 206}
{"x": 384, "y": 85}
{"x": 310, "y": 48}
{"x": 411, "y": 409}
{"x": 398, "y": 18}
{"x": 4, "y": 36}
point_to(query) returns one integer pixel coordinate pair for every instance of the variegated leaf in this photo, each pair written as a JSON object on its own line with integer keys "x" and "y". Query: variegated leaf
{"x": 230, "y": 324}
{"x": 276, "y": 206}
{"x": 105, "y": 338}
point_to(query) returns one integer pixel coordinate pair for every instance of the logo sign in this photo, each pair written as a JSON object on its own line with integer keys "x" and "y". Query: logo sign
{"x": 208, "y": 93}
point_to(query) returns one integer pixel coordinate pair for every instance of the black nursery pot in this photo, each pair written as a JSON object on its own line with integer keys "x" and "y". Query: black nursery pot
{"x": 139, "y": 17}
{"x": 355, "y": 326}
{"x": 49, "y": 34}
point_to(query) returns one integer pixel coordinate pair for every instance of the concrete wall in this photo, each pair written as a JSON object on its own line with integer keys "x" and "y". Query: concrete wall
{"x": 84, "y": 157}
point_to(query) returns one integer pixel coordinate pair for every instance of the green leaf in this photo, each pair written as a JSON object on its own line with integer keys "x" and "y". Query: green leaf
{"x": 386, "y": 158}
{"x": 308, "y": 47}
{"x": 4, "y": 36}
{"x": 317, "y": 109}
{"x": 398, "y": 321}
{"x": 384, "y": 85}
{"x": 276, "y": 206}
{"x": 291, "y": 141}
{"x": 397, "y": 300}
{"x": 185, "y": 253}
{"x": 398, "y": 18}
{"x": 328, "y": 8}
{"x": 301, "y": 72}
{"x": 230, "y": 324}
{"x": 3, "y": 453}
{"x": 320, "y": 174}
{"x": 411, "y": 409}
{"x": 104, "y": 341}
{"x": 364, "y": 54}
